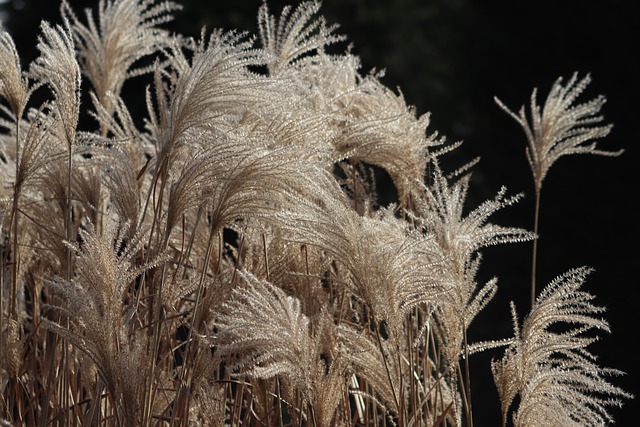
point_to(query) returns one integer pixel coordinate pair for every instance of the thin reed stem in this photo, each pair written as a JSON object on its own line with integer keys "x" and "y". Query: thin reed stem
{"x": 534, "y": 255}
{"x": 266, "y": 257}
{"x": 16, "y": 197}
{"x": 467, "y": 380}
{"x": 13, "y": 233}
{"x": 386, "y": 366}
{"x": 188, "y": 347}
{"x": 68, "y": 228}
{"x": 279, "y": 399}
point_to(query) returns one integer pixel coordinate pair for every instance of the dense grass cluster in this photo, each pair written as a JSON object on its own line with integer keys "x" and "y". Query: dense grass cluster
{"x": 222, "y": 258}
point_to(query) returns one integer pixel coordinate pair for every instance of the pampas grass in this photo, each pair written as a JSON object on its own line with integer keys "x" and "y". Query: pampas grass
{"x": 222, "y": 258}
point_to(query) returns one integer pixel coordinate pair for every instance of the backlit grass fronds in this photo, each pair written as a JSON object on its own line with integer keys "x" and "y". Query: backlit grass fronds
{"x": 11, "y": 350}
{"x": 37, "y": 147}
{"x": 295, "y": 35}
{"x": 223, "y": 257}
{"x": 377, "y": 361}
{"x": 462, "y": 234}
{"x": 14, "y": 86}
{"x": 209, "y": 406}
{"x": 271, "y": 337}
{"x": 237, "y": 182}
{"x": 297, "y": 269}
{"x": 125, "y": 32}
{"x": 267, "y": 330}
{"x": 459, "y": 236}
{"x": 95, "y": 302}
{"x": 205, "y": 92}
{"x": 555, "y": 375}
{"x": 119, "y": 176}
{"x": 106, "y": 268}
{"x": 58, "y": 68}
{"x": 325, "y": 81}
{"x": 561, "y": 127}
{"x": 379, "y": 128}
{"x": 391, "y": 268}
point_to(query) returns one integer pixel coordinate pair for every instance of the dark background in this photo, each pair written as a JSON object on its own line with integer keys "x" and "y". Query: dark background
{"x": 451, "y": 58}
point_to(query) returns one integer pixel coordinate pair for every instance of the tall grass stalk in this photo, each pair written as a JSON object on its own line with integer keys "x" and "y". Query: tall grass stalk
{"x": 534, "y": 254}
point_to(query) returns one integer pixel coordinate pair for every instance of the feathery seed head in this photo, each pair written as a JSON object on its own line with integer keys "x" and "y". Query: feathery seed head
{"x": 58, "y": 68}
{"x": 14, "y": 87}
{"x": 557, "y": 378}
{"x": 561, "y": 127}
{"x": 295, "y": 35}
{"x": 126, "y": 31}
